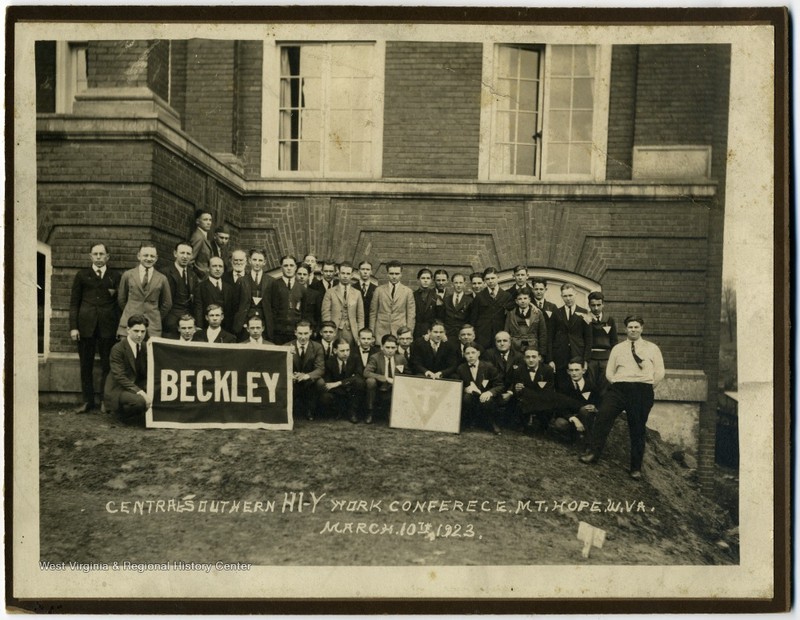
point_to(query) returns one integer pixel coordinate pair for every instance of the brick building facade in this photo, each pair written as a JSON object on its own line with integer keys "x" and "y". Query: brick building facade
{"x": 417, "y": 150}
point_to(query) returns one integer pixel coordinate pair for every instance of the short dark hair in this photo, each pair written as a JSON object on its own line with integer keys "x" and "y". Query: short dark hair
{"x": 340, "y": 341}
{"x": 255, "y": 316}
{"x": 327, "y": 324}
{"x": 576, "y": 360}
{"x": 522, "y": 291}
{"x": 489, "y": 270}
{"x": 567, "y": 285}
{"x": 305, "y": 266}
{"x": 393, "y": 263}
{"x": 633, "y": 317}
{"x": 180, "y": 243}
{"x": 404, "y": 329}
{"x": 436, "y": 322}
{"x": 95, "y": 244}
{"x": 222, "y": 228}
{"x": 532, "y": 348}
{"x": 302, "y": 323}
{"x": 346, "y": 264}
{"x": 285, "y": 256}
{"x": 538, "y": 280}
{"x": 364, "y": 262}
{"x": 211, "y": 307}
{"x": 472, "y": 345}
{"x": 466, "y": 326}
{"x": 256, "y": 251}
{"x": 439, "y": 272}
{"x": 138, "y": 319}
{"x": 596, "y": 295}
{"x": 475, "y": 274}
{"x": 423, "y": 271}
{"x": 186, "y": 317}
{"x": 458, "y": 274}
{"x": 388, "y": 338}
{"x": 364, "y": 330}
{"x": 200, "y": 212}
{"x": 148, "y": 244}
{"x": 519, "y": 268}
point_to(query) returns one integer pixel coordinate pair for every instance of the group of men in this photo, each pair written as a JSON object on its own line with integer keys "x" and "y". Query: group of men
{"x": 518, "y": 355}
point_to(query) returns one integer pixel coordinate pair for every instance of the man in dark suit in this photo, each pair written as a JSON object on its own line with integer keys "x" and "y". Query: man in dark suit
{"x": 520, "y": 283}
{"x": 215, "y": 290}
{"x": 571, "y": 335}
{"x": 604, "y": 338}
{"x": 125, "y": 392}
{"x": 380, "y": 372}
{"x": 238, "y": 267}
{"x": 219, "y": 245}
{"x": 365, "y": 285}
{"x": 482, "y": 388}
{"x": 585, "y": 398}
{"x": 182, "y": 284}
{"x": 288, "y": 301}
{"x": 214, "y": 332}
{"x": 255, "y": 332}
{"x": 424, "y": 303}
{"x": 466, "y": 336}
{"x": 366, "y": 348}
{"x": 307, "y": 366}
{"x": 503, "y": 357}
{"x": 440, "y": 279}
{"x": 341, "y": 387}
{"x": 201, "y": 244}
{"x": 457, "y": 307}
{"x": 186, "y": 328}
{"x": 328, "y": 280}
{"x": 488, "y": 312}
{"x": 534, "y": 386}
{"x": 434, "y": 358}
{"x": 313, "y": 299}
{"x": 405, "y": 340}
{"x": 539, "y": 288}
{"x": 327, "y": 338}
{"x": 255, "y": 290}
{"x": 93, "y": 317}
{"x": 143, "y": 290}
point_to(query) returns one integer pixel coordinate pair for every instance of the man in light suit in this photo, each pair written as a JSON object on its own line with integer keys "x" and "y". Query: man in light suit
{"x": 201, "y": 244}
{"x": 344, "y": 306}
{"x": 255, "y": 290}
{"x": 182, "y": 284}
{"x": 213, "y": 332}
{"x": 308, "y": 365}
{"x": 365, "y": 285}
{"x": 571, "y": 335}
{"x": 215, "y": 290}
{"x": 93, "y": 319}
{"x": 143, "y": 290}
{"x": 392, "y": 305}
{"x": 380, "y": 372}
{"x": 482, "y": 387}
{"x": 456, "y": 307}
{"x": 125, "y": 392}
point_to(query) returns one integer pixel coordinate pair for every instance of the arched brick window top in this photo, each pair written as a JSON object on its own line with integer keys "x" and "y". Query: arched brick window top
{"x": 555, "y": 278}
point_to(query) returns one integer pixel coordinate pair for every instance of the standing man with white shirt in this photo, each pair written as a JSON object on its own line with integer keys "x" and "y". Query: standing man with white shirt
{"x": 365, "y": 285}
{"x": 288, "y": 301}
{"x": 635, "y": 368}
{"x": 344, "y": 306}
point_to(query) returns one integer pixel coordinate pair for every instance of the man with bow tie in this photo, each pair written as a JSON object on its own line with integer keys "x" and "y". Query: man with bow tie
{"x": 457, "y": 306}
{"x": 482, "y": 388}
{"x": 308, "y": 365}
{"x": 635, "y": 368}
{"x": 574, "y": 421}
{"x": 182, "y": 285}
{"x": 344, "y": 306}
{"x": 93, "y": 316}
{"x": 604, "y": 338}
{"x": 365, "y": 349}
{"x": 215, "y": 290}
{"x": 342, "y": 388}
{"x": 125, "y": 389}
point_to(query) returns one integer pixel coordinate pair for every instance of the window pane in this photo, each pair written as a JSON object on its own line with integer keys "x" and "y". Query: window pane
{"x": 528, "y": 95}
{"x": 580, "y": 159}
{"x": 501, "y": 158}
{"x": 311, "y": 59}
{"x": 560, "y": 60}
{"x": 361, "y": 125}
{"x": 557, "y": 158}
{"x": 339, "y": 127}
{"x": 560, "y": 93}
{"x": 346, "y": 59}
{"x": 584, "y": 60}
{"x": 583, "y": 95}
{"x": 508, "y": 58}
{"x": 504, "y": 90}
{"x": 524, "y": 160}
{"x": 558, "y": 124}
{"x": 312, "y": 94}
{"x": 359, "y": 156}
{"x": 505, "y": 127}
{"x": 310, "y": 125}
{"x": 309, "y": 159}
{"x": 581, "y": 127}
{"x": 529, "y": 64}
{"x": 526, "y": 127}
{"x": 338, "y": 156}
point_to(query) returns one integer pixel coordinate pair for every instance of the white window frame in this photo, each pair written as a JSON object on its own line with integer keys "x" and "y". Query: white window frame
{"x": 44, "y": 249}
{"x": 599, "y": 121}
{"x": 271, "y": 105}
{"x": 71, "y": 77}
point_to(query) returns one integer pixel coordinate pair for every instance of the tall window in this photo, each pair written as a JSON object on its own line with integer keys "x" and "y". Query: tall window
{"x": 326, "y": 118}
{"x": 547, "y": 112}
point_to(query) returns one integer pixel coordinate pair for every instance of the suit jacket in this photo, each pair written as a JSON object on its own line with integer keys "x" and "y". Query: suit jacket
{"x": 223, "y": 337}
{"x": 367, "y": 298}
{"x": 201, "y": 252}
{"x": 317, "y": 284}
{"x": 288, "y": 306}
{"x": 93, "y": 306}
{"x": 589, "y": 395}
{"x": 228, "y": 277}
{"x": 223, "y": 253}
{"x": 247, "y": 291}
{"x": 313, "y": 308}
{"x": 355, "y": 354}
{"x": 311, "y": 363}
{"x": 155, "y": 303}
{"x": 488, "y": 379}
{"x": 182, "y": 295}
{"x": 504, "y": 367}
{"x": 425, "y": 310}
{"x": 460, "y": 350}
{"x": 349, "y": 374}
{"x": 125, "y": 374}
{"x": 456, "y": 316}
{"x": 534, "y": 335}
{"x": 571, "y": 338}
{"x": 206, "y": 294}
{"x": 327, "y": 355}
{"x": 376, "y": 366}
{"x": 535, "y": 397}
{"x": 488, "y": 316}
{"x": 548, "y": 309}
{"x": 512, "y": 290}
{"x": 423, "y": 359}
{"x": 334, "y": 306}
{"x": 387, "y": 314}
{"x": 604, "y": 336}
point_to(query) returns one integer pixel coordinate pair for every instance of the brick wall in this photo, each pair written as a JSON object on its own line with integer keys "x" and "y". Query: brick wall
{"x": 432, "y": 110}
{"x": 158, "y": 68}
{"x": 249, "y": 59}
{"x": 117, "y": 63}
{"x": 621, "y": 111}
{"x": 177, "y": 98}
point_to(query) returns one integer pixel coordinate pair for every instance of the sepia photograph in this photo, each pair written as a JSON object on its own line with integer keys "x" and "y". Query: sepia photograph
{"x": 401, "y": 306}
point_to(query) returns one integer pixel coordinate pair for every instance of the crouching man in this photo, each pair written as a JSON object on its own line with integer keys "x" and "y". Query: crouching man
{"x": 482, "y": 387}
{"x": 341, "y": 387}
{"x": 125, "y": 392}
{"x": 578, "y": 416}
{"x": 380, "y": 373}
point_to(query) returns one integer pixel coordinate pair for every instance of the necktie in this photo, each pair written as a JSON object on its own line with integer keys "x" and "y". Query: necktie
{"x": 435, "y": 347}
{"x": 236, "y": 277}
{"x": 302, "y": 350}
{"x": 577, "y": 387}
{"x": 569, "y": 314}
{"x": 340, "y": 367}
{"x": 185, "y": 276}
{"x": 638, "y": 359}
{"x": 328, "y": 351}
{"x": 457, "y": 300}
{"x": 393, "y": 285}
{"x": 146, "y": 280}
{"x": 390, "y": 370}
{"x": 138, "y": 350}
{"x": 99, "y": 273}
{"x": 344, "y": 292}
{"x": 258, "y": 280}
{"x": 364, "y": 289}
{"x": 493, "y": 293}
{"x": 219, "y": 285}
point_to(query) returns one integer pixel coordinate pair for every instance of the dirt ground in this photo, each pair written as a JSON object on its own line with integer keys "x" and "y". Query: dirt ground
{"x": 371, "y": 495}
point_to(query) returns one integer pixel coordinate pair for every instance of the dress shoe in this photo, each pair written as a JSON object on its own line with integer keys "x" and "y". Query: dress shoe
{"x": 589, "y": 457}
{"x": 354, "y": 419}
{"x": 309, "y": 416}
{"x": 495, "y": 429}
{"x": 636, "y": 474}
{"x": 84, "y": 408}
{"x": 103, "y": 408}
{"x": 368, "y": 419}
